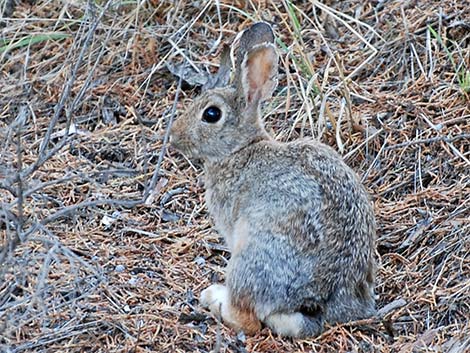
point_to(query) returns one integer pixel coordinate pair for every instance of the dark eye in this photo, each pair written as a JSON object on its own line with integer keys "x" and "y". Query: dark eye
{"x": 212, "y": 114}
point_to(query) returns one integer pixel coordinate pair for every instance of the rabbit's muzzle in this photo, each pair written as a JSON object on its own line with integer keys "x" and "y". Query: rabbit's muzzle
{"x": 179, "y": 139}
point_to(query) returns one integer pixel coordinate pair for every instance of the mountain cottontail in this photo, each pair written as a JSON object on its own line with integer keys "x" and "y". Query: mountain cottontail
{"x": 298, "y": 223}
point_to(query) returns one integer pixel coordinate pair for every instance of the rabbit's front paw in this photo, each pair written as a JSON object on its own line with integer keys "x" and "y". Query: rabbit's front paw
{"x": 214, "y": 297}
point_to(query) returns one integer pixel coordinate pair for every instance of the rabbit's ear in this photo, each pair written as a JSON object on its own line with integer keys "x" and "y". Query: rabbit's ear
{"x": 222, "y": 77}
{"x": 258, "y": 33}
{"x": 258, "y": 73}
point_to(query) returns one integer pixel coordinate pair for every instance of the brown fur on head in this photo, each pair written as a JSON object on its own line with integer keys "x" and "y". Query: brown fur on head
{"x": 223, "y": 120}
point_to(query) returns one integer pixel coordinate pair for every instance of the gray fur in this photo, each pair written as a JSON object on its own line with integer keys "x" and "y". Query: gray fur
{"x": 299, "y": 223}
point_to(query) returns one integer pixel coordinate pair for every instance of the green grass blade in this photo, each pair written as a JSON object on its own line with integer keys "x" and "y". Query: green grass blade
{"x": 30, "y": 40}
{"x": 441, "y": 42}
{"x": 294, "y": 19}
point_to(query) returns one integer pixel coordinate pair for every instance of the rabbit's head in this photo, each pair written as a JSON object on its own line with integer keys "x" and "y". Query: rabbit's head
{"x": 225, "y": 117}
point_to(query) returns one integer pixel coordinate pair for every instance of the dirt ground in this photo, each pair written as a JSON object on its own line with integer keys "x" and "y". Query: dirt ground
{"x": 105, "y": 240}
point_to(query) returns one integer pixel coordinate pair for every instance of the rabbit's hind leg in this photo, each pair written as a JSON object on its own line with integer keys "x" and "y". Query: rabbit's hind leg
{"x": 294, "y": 325}
{"x": 217, "y": 298}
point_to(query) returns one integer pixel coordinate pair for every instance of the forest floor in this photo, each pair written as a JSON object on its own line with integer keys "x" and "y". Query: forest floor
{"x": 105, "y": 240}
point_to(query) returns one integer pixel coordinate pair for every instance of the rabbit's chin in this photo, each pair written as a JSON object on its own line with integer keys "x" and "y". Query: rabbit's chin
{"x": 193, "y": 153}
{"x": 186, "y": 150}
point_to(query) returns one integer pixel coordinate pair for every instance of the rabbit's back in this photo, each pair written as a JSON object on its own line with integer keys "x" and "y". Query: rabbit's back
{"x": 302, "y": 189}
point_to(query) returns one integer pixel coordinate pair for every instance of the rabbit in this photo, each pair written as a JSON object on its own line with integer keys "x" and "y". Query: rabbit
{"x": 298, "y": 223}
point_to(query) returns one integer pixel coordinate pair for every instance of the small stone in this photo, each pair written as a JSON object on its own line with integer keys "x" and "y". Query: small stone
{"x": 200, "y": 261}
{"x": 120, "y": 268}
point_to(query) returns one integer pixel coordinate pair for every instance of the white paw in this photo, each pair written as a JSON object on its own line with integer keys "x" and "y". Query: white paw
{"x": 214, "y": 297}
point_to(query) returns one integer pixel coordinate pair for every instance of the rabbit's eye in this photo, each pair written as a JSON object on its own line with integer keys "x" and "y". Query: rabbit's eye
{"x": 212, "y": 114}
